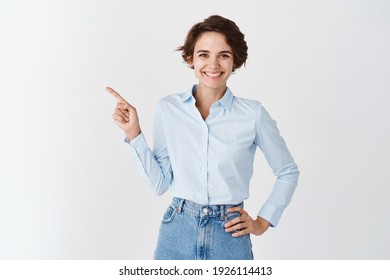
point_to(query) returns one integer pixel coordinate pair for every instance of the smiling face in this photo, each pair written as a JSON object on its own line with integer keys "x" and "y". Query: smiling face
{"x": 212, "y": 60}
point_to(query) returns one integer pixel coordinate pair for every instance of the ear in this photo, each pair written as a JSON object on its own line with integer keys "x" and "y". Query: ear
{"x": 189, "y": 59}
{"x": 190, "y": 62}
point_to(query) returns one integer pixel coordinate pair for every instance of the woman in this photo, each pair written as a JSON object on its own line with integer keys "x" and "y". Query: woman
{"x": 204, "y": 145}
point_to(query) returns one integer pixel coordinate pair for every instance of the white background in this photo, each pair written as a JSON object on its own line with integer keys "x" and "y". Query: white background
{"x": 68, "y": 186}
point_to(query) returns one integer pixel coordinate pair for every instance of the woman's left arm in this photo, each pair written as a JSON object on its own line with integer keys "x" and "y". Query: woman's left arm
{"x": 283, "y": 166}
{"x": 275, "y": 150}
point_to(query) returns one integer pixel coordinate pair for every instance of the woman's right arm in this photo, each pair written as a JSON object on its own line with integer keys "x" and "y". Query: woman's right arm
{"x": 154, "y": 166}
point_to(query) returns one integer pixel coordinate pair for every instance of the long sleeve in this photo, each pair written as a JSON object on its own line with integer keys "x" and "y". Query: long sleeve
{"x": 274, "y": 148}
{"x": 153, "y": 165}
{"x": 211, "y": 161}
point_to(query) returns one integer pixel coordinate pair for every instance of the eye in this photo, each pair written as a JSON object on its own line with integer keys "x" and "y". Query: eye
{"x": 203, "y": 55}
{"x": 225, "y": 56}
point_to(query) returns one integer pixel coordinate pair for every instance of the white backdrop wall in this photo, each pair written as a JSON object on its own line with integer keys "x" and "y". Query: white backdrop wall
{"x": 68, "y": 187}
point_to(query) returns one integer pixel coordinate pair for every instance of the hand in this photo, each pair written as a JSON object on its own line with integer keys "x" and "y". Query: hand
{"x": 245, "y": 224}
{"x": 125, "y": 116}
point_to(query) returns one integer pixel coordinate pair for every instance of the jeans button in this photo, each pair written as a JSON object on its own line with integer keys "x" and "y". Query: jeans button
{"x": 205, "y": 210}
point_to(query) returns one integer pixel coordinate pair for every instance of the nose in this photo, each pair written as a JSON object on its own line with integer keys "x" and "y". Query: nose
{"x": 213, "y": 63}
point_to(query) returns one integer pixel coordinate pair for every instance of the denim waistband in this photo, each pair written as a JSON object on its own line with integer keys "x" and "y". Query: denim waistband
{"x": 199, "y": 210}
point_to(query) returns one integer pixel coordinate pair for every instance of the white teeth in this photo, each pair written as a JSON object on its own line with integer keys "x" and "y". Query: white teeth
{"x": 213, "y": 75}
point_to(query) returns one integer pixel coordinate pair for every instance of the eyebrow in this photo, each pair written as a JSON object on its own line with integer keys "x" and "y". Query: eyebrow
{"x": 205, "y": 51}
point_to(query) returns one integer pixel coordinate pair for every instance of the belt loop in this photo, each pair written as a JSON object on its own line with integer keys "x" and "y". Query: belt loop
{"x": 222, "y": 216}
{"x": 179, "y": 207}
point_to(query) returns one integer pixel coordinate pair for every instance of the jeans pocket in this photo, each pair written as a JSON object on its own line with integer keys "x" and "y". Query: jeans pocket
{"x": 168, "y": 215}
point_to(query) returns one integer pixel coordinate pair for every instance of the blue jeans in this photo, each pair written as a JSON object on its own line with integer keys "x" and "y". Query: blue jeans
{"x": 191, "y": 231}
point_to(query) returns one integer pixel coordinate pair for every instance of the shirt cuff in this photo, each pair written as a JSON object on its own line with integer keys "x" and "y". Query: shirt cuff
{"x": 138, "y": 143}
{"x": 270, "y": 213}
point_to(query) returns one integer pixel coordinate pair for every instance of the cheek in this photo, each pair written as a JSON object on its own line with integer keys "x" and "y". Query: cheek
{"x": 229, "y": 65}
{"x": 198, "y": 69}
{"x": 198, "y": 64}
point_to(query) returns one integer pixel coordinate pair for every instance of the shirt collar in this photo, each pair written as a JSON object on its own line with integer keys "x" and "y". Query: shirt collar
{"x": 226, "y": 101}
{"x": 188, "y": 94}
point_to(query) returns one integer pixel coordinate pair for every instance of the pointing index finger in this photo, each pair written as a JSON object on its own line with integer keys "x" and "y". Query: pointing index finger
{"x": 115, "y": 94}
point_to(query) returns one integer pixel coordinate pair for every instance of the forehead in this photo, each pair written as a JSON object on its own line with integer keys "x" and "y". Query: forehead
{"x": 212, "y": 41}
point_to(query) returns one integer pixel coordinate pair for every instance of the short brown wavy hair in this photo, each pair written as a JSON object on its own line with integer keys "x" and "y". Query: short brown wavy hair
{"x": 234, "y": 38}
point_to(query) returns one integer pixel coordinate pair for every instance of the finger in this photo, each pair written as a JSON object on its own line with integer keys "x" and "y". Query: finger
{"x": 237, "y": 209}
{"x": 234, "y": 222}
{"x": 115, "y": 94}
{"x": 120, "y": 106}
{"x": 126, "y": 109}
{"x": 125, "y": 105}
{"x": 122, "y": 114}
{"x": 240, "y": 233}
{"x": 240, "y": 219}
{"x": 118, "y": 118}
{"x": 235, "y": 227}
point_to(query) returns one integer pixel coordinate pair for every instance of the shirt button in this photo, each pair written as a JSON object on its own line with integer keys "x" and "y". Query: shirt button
{"x": 205, "y": 210}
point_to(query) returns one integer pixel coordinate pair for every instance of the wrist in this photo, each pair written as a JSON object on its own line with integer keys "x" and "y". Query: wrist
{"x": 263, "y": 221}
{"x": 133, "y": 134}
{"x": 263, "y": 225}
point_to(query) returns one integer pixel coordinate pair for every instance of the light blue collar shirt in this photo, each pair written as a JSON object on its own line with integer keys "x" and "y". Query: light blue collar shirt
{"x": 210, "y": 161}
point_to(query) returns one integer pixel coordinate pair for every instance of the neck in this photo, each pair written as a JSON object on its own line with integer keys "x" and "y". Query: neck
{"x": 207, "y": 96}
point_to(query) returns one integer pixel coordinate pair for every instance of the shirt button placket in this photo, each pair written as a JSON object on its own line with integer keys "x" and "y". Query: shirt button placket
{"x": 204, "y": 164}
